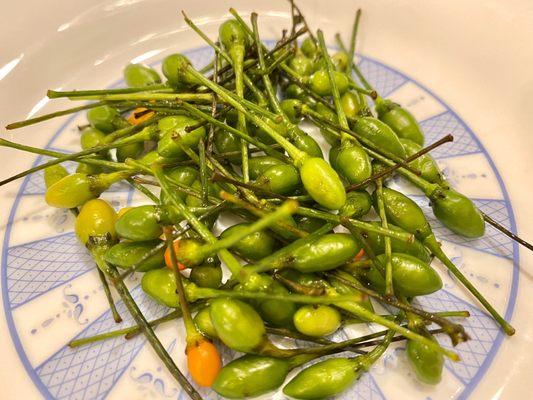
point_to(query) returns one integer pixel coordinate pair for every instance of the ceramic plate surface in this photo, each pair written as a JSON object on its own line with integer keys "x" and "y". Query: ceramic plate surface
{"x": 450, "y": 65}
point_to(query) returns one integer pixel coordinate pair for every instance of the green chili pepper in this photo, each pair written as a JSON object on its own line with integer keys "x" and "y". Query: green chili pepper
{"x": 54, "y": 173}
{"x": 400, "y": 120}
{"x": 322, "y": 183}
{"x": 309, "y": 47}
{"x": 143, "y": 222}
{"x": 358, "y": 204}
{"x": 308, "y": 224}
{"x": 76, "y": 189}
{"x": 183, "y": 175}
{"x": 227, "y": 143}
{"x": 458, "y": 213}
{"x": 414, "y": 248}
{"x": 237, "y": 324}
{"x": 252, "y": 375}
{"x": 254, "y": 246}
{"x": 138, "y": 75}
{"x": 161, "y": 286}
{"x": 326, "y": 252}
{"x": 173, "y": 131}
{"x": 317, "y": 320}
{"x": 380, "y": 134}
{"x": 352, "y": 162}
{"x": 323, "y": 379}
{"x": 426, "y": 362}
{"x": 96, "y": 219}
{"x": 258, "y": 165}
{"x": 127, "y": 254}
{"x": 281, "y": 179}
{"x": 425, "y": 163}
{"x": 411, "y": 276}
{"x": 320, "y": 84}
{"x": 203, "y": 322}
{"x": 351, "y": 104}
{"x": 291, "y": 108}
{"x": 106, "y": 119}
{"x": 209, "y": 276}
{"x": 302, "y": 65}
{"x": 91, "y": 137}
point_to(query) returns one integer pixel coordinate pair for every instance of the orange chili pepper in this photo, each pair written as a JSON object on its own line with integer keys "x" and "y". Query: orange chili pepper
{"x": 134, "y": 120}
{"x": 168, "y": 259}
{"x": 204, "y": 362}
{"x": 359, "y": 255}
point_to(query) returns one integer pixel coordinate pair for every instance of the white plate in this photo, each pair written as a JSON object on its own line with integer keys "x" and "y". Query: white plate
{"x": 461, "y": 68}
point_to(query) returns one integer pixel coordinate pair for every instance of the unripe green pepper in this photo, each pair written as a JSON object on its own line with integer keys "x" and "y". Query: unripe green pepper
{"x": 89, "y": 169}
{"x": 237, "y": 324}
{"x": 105, "y": 118}
{"x": 322, "y": 183}
{"x": 320, "y": 84}
{"x": 292, "y": 108}
{"x": 143, "y": 223}
{"x": 404, "y": 212}
{"x": 174, "y": 67}
{"x": 358, "y": 204}
{"x": 317, "y": 320}
{"x": 254, "y": 246}
{"x": 96, "y": 219}
{"x": 280, "y": 179}
{"x": 323, "y": 379}
{"x": 225, "y": 142}
{"x": 426, "y": 362}
{"x": 127, "y": 254}
{"x": 275, "y": 312}
{"x": 308, "y": 224}
{"x": 309, "y": 47}
{"x": 161, "y": 286}
{"x": 132, "y": 150}
{"x": 307, "y": 144}
{"x": 380, "y": 134}
{"x": 326, "y": 252}
{"x": 138, "y": 75}
{"x": 91, "y": 137}
{"x": 202, "y": 320}
{"x": 173, "y": 131}
{"x": 54, "y": 173}
{"x": 250, "y": 376}
{"x": 352, "y": 162}
{"x": 376, "y": 242}
{"x": 209, "y": 276}
{"x": 400, "y": 120}
{"x": 411, "y": 276}
{"x": 351, "y": 104}
{"x": 184, "y": 175}
{"x": 458, "y": 213}
{"x": 302, "y": 65}
{"x": 258, "y": 165}
{"x": 425, "y": 163}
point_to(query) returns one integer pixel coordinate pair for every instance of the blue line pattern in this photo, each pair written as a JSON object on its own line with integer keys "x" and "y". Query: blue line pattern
{"x": 446, "y": 123}
{"x": 37, "y": 267}
{"x": 383, "y": 79}
{"x": 493, "y": 242}
{"x": 90, "y": 371}
{"x": 480, "y": 327}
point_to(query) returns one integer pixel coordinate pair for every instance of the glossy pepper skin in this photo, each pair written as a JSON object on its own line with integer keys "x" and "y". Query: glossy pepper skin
{"x": 379, "y": 134}
{"x": 138, "y": 75}
{"x": 280, "y": 179}
{"x": 161, "y": 286}
{"x": 425, "y": 163}
{"x": 426, "y": 362}
{"x": 255, "y": 246}
{"x": 400, "y": 120}
{"x": 323, "y": 379}
{"x": 322, "y": 183}
{"x": 237, "y": 324}
{"x": 143, "y": 222}
{"x": 250, "y": 376}
{"x": 317, "y": 321}
{"x": 377, "y": 244}
{"x": 96, "y": 219}
{"x": 411, "y": 277}
{"x": 327, "y": 252}
{"x": 127, "y": 254}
